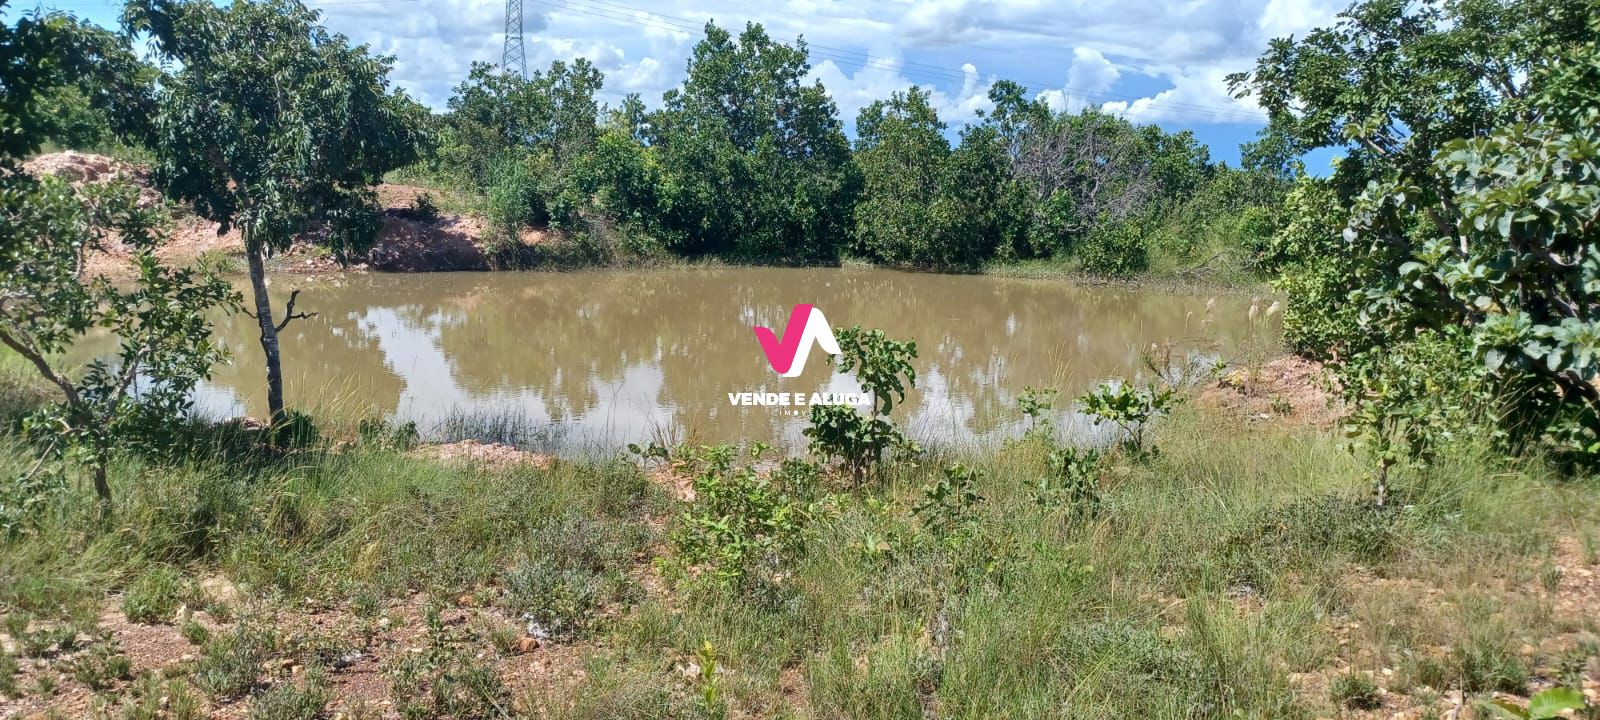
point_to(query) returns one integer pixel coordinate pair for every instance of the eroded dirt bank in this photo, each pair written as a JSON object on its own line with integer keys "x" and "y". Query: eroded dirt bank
{"x": 405, "y": 243}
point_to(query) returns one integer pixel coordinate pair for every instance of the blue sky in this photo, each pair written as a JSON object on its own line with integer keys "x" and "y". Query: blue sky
{"x": 1153, "y": 61}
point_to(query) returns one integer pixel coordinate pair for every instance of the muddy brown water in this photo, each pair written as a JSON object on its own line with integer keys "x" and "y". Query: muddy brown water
{"x": 590, "y": 361}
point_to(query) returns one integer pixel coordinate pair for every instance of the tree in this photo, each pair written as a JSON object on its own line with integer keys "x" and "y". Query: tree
{"x": 1089, "y": 170}
{"x": 1467, "y": 202}
{"x": 923, "y": 203}
{"x": 550, "y": 114}
{"x": 47, "y": 301}
{"x": 270, "y": 123}
{"x": 754, "y": 160}
{"x": 42, "y": 58}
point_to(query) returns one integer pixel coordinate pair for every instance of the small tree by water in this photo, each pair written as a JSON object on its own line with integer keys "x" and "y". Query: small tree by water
{"x": 271, "y": 123}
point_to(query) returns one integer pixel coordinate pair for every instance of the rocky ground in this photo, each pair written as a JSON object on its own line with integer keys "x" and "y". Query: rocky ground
{"x": 405, "y": 243}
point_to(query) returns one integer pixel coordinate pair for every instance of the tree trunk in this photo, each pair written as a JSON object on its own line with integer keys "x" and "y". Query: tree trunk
{"x": 102, "y": 488}
{"x": 269, "y": 335}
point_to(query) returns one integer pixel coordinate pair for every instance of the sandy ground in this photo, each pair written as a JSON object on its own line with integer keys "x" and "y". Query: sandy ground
{"x": 405, "y": 243}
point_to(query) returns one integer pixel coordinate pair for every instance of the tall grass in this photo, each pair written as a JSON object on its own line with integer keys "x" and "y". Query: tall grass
{"x": 1211, "y": 575}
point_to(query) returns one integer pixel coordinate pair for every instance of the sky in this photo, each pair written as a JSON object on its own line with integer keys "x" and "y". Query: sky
{"x": 1152, "y": 61}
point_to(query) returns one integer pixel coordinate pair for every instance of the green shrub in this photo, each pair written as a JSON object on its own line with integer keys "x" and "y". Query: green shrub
{"x": 514, "y": 200}
{"x": 1114, "y": 250}
{"x": 1488, "y": 662}
{"x": 563, "y": 601}
{"x": 883, "y": 368}
{"x": 1073, "y": 481}
{"x": 1129, "y": 408}
{"x": 101, "y": 666}
{"x": 157, "y": 699}
{"x": 742, "y": 520}
{"x": 948, "y": 508}
{"x": 293, "y": 701}
{"x": 230, "y": 664}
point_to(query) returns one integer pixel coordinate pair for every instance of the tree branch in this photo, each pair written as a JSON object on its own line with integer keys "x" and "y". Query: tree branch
{"x": 290, "y": 314}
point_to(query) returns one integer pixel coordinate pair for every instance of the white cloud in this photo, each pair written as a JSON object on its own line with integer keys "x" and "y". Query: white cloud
{"x": 864, "y": 51}
{"x": 1088, "y": 80}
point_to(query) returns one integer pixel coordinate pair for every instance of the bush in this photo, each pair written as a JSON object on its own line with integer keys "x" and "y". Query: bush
{"x": 1318, "y": 272}
{"x": 290, "y": 701}
{"x": 1129, "y": 408}
{"x": 515, "y": 201}
{"x": 1114, "y": 250}
{"x": 562, "y": 601}
{"x": 883, "y": 368}
{"x": 742, "y": 520}
{"x": 949, "y": 507}
{"x": 101, "y": 666}
{"x": 1073, "y": 481}
{"x": 229, "y": 663}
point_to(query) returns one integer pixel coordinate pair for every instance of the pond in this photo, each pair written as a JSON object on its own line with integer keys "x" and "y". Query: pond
{"x": 589, "y": 361}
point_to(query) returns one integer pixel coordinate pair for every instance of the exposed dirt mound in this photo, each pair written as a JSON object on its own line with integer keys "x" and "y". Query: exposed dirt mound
{"x": 88, "y": 168}
{"x": 1289, "y": 389}
{"x": 405, "y": 243}
{"x": 489, "y": 455}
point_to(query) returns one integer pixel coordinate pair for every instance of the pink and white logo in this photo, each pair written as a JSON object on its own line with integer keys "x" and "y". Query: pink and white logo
{"x": 806, "y": 326}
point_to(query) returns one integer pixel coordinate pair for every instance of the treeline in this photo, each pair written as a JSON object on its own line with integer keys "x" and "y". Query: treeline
{"x": 749, "y": 162}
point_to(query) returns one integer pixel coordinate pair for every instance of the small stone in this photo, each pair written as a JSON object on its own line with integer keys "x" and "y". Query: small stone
{"x": 526, "y": 644}
{"x": 466, "y": 600}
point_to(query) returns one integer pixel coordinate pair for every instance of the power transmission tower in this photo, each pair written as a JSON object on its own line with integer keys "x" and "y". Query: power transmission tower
{"x": 513, "y": 59}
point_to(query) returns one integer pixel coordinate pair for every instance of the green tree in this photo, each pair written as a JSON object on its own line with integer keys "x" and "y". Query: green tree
{"x": 754, "y": 162}
{"x": 1086, "y": 173}
{"x": 48, "y": 303}
{"x": 923, "y": 203}
{"x": 883, "y": 368}
{"x": 1466, "y": 200}
{"x": 271, "y": 123}
{"x": 44, "y": 57}
{"x": 551, "y": 115}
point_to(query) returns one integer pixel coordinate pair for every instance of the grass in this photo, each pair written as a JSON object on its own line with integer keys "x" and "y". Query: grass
{"x": 1212, "y": 577}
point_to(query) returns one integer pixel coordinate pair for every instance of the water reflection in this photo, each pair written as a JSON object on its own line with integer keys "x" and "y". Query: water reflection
{"x": 615, "y": 357}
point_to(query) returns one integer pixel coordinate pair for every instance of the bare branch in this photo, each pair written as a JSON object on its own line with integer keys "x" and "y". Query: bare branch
{"x": 290, "y": 314}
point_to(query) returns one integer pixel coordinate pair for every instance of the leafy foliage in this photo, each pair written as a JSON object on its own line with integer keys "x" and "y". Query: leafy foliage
{"x": 883, "y": 368}
{"x": 742, "y": 525}
{"x": 1466, "y": 200}
{"x": 274, "y": 158}
{"x": 754, "y": 162}
{"x": 948, "y": 507}
{"x": 48, "y": 302}
{"x": 1129, "y": 408}
{"x": 923, "y": 203}
{"x": 1073, "y": 481}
